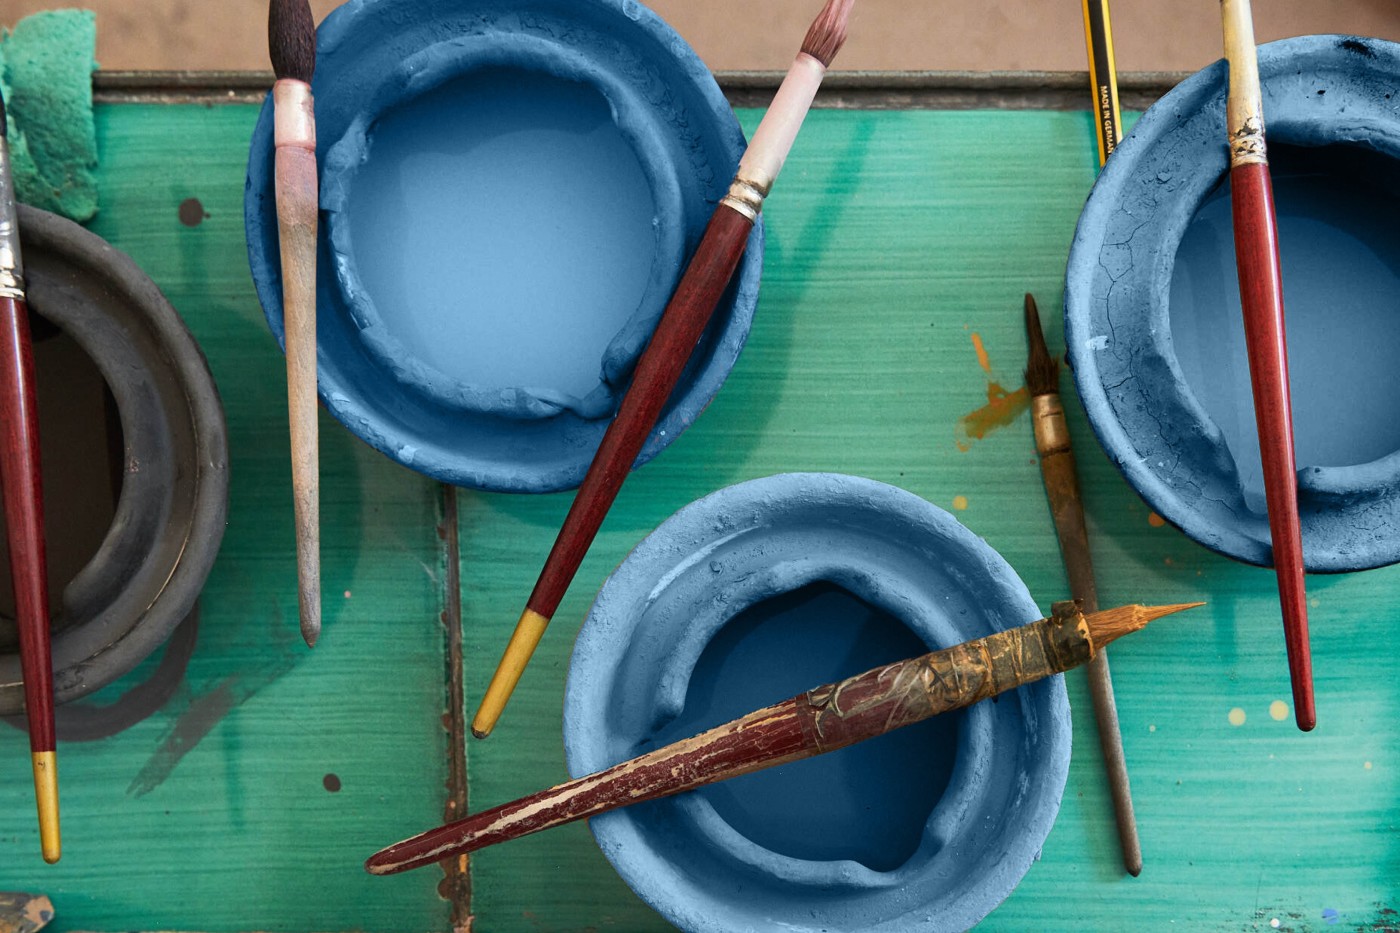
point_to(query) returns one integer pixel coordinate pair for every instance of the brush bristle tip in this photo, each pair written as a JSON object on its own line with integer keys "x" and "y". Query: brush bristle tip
{"x": 828, "y": 31}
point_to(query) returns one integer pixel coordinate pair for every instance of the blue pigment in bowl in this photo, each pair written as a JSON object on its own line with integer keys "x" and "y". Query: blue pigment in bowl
{"x": 1153, "y": 321}
{"x": 510, "y": 190}
{"x": 758, "y": 593}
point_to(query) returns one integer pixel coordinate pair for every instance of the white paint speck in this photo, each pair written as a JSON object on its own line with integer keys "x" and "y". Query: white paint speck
{"x": 1097, "y": 343}
{"x": 347, "y": 594}
{"x": 1275, "y": 923}
{"x": 1152, "y": 727}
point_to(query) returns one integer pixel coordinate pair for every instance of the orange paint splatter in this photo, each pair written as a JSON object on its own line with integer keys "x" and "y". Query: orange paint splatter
{"x": 960, "y": 503}
{"x": 983, "y": 359}
{"x": 1155, "y": 520}
{"x": 1002, "y": 408}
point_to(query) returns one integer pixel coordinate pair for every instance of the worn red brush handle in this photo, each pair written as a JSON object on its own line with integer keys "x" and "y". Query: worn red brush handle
{"x": 1261, "y": 294}
{"x": 660, "y": 366}
{"x": 24, "y": 518}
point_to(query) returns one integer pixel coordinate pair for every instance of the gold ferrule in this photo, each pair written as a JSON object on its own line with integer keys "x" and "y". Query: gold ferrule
{"x": 746, "y": 196}
{"x": 11, "y": 264}
{"x": 1048, "y": 419}
{"x": 293, "y": 115}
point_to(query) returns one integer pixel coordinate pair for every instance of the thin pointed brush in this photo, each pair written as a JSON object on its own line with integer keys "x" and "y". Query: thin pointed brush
{"x": 674, "y": 340}
{"x": 24, "y": 509}
{"x": 819, "y": 721}
{"x": 1261, "y": 299}
{"x": 1057, "y": 468}
{"x": 291, "y": 39}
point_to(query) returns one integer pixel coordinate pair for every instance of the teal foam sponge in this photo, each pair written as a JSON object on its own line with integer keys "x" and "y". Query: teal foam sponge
{"x": 46, "y": 66}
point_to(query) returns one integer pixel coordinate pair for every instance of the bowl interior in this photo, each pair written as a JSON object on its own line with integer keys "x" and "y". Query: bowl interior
{"x": 505, "y": 231}
{"x": 1341, "y": 286}
{"x": 821, "y": 808}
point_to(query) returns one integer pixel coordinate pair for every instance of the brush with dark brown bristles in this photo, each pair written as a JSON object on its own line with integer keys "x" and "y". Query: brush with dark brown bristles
{"x": 822, "y": 720}
{"x": 291, "y": 39}
{"x": 24, "y": 508}
{"x": 1052, "y": 443}
{"x": 671, "y": 345}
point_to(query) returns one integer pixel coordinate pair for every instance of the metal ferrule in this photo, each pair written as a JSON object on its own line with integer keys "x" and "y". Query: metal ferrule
{"x": 1247, "y": 143}
{"x": 11, "y": 265}
{"x": 1048, "y": 419}
{"x": 746, "y": 196}
{"x": 293, "y": 114}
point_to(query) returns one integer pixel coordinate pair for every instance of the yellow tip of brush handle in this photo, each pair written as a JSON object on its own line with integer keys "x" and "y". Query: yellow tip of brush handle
{"x": 46, "y": 794}
{"x": 523, "y": 641}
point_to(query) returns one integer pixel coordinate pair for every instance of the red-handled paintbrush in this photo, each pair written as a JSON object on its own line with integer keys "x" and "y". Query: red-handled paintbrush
{"x": 671, "y": 345}
{"x": 24, "y": 509}
{"x": 291, "y": 39}
{"x": 821, "y": 720}
{"x": 1261, "y": 295}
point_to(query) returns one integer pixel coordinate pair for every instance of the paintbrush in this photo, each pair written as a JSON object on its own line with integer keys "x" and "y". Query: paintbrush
{"x": 674, "y": 340}
{"x": 1103, "y": 77}
{"x": 291, "y": 40}
{"x": 24, "y": 508}
{"x": 1052, "y": 444}
{"x": 823, "y": 720}
{"x": 1261, "y": 299}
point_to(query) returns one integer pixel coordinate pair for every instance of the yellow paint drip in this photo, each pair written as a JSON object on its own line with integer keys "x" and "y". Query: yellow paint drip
{"x": 983, "y": 359}
{"x": 1278, "y": 710}
{"x": 1236, "y": 717}
{"x": 960, "y": 503}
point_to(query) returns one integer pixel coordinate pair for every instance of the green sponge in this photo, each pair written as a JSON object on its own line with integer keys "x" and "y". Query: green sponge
{"x": 46, "y": 66}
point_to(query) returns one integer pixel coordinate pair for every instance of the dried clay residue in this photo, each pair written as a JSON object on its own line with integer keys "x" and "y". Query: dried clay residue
{"x": 1002, "y": 408}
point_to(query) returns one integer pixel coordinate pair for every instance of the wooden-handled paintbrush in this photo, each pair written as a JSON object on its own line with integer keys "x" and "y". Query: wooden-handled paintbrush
{"x": 674, "y": 340}
{"x": 24, "y": 509}
{"x": 1261, "y": 297}
{"x": 1052, "y": 444}
{"x": 819, "y": 721}
{"x": 291, "y": 39}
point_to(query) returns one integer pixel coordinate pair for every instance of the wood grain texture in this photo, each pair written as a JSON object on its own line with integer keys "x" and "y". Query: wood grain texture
{"x": 887, "y": 249}
{"x": 222, "y": 795}
{"x": 1261, "y": 298}
{"x": 24, "y": 517}
{"x": 296, "y": 183}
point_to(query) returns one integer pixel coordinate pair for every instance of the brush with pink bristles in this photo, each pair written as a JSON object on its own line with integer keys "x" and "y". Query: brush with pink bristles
{"x": 679, "y": 330}
{"x": 291, "y": 39}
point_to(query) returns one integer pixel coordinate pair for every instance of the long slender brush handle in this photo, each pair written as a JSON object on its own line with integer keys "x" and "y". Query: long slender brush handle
{"x": 1261, "y": 294}
{"x": 1066, "y": 506}
{"x": 658, "y": 369}
{"x": 296, "y": 191}
{"x": 827, "y": 718}
{"x": 1261, "y": 298}
{"x": 24, "y": 517}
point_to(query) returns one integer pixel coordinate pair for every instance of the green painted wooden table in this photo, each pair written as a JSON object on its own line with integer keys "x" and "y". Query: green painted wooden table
{"x": 898, "y": 243}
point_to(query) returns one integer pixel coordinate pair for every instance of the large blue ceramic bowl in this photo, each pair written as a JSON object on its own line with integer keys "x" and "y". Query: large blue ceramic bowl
{"x": 760, "y": 592}
{"x": 510, "y": 190}
{"x": 1152, "y": 308}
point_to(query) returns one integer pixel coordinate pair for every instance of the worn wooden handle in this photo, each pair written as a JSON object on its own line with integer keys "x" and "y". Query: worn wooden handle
{"x": 296, "y": 189}
{"x": 1261, "y": 295}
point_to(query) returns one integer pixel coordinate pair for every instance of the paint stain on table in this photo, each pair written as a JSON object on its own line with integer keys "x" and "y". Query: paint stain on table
{"x": 1002, "y": 408}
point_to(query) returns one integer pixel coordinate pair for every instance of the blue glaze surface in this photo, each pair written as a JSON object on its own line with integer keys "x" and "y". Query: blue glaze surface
{"x": 1341, "y": 284}
{"x": 1164, "y": 390}
{"x": 526, "y": 290}
{"x": 823, "y": 634}
{"x": 416, "y": 398}
{"x": 720, "y": 598}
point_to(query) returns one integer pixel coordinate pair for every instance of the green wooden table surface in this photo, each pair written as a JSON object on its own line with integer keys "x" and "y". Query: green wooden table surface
{"x": 899, "y": 245}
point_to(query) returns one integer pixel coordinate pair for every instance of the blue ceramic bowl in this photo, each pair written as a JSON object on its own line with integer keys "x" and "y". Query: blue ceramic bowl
{"x": 510, "y": 190}
{"x": 756, "y": 594}
{"x": 1152, "y": 309}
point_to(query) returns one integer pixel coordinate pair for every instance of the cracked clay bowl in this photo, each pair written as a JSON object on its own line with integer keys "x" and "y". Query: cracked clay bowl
{"x": 509, "y": 192}
{"x": 1152, "y": 308}
{"x": 758, "y": 593}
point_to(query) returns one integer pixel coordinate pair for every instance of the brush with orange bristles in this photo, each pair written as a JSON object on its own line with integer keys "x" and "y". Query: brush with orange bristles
{"x": 291, "y": 39}
{"x": 24, "y": 509}
{"x": 821, "y": 720}
{"x": 1261, "y": 299}
{"x": 671, "y": 345}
